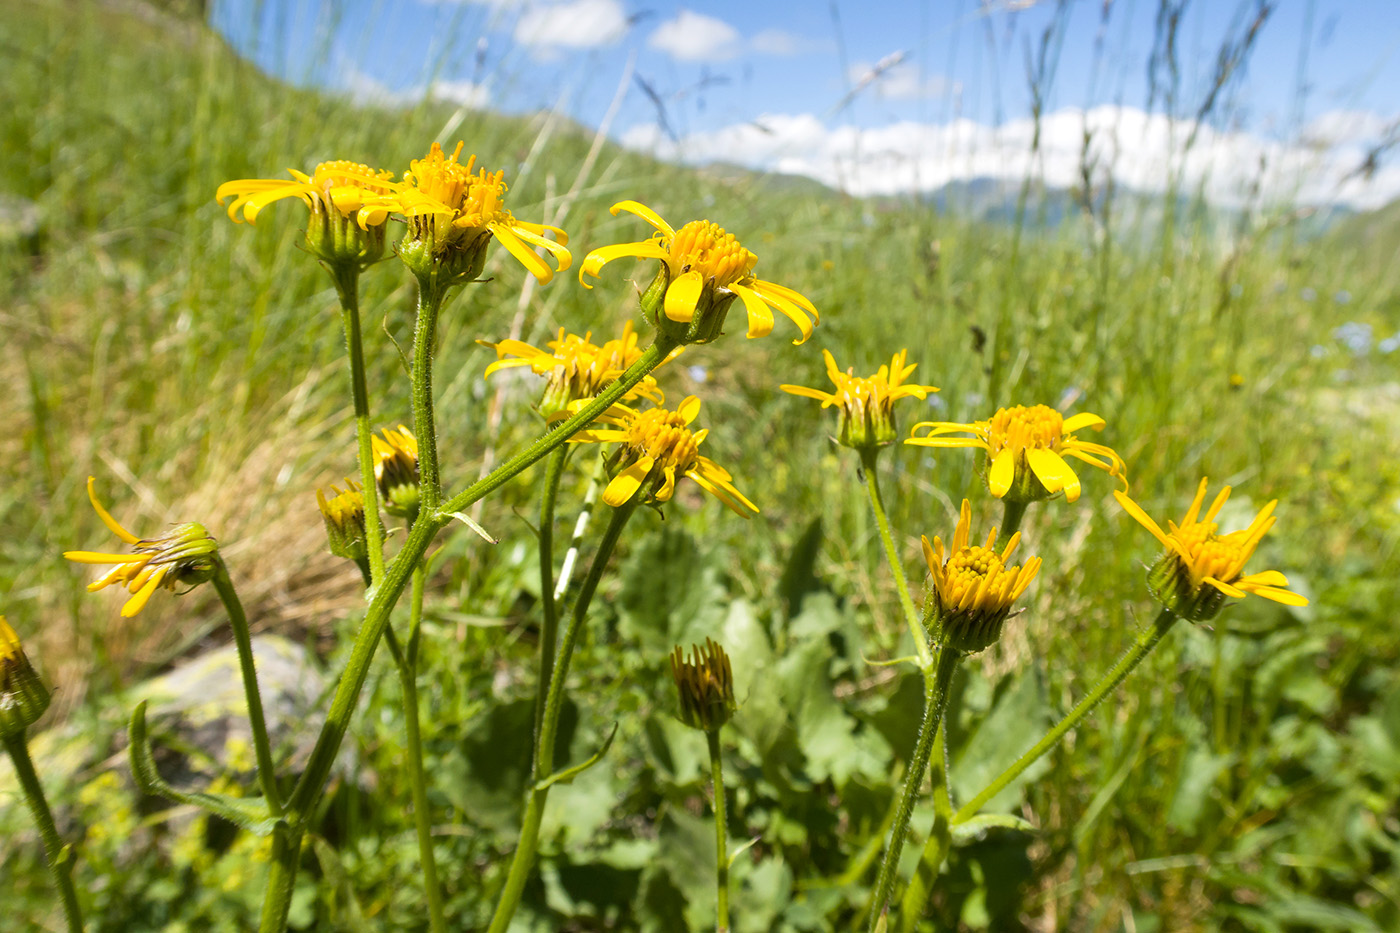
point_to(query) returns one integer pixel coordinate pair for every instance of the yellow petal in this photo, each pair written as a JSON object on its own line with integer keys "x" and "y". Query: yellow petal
{"x": 1143, "y": 519}
{"x": 625, "y": 484}
{"x": 689, "y": 408}
{"x": 682, "y": 296}
{"x": 760, "y": 318}
{"x": 600, "y": 257}
{"x": 107, "y": 519}
{"x": 138, "y": 602}
{"x": 805, "y": 392}
{"x": 1002, "y": 473}
{"x": 558, "y": 250}
{"x": 527, "y": 257}
{"x": 1082, "y": 420}
{"x": 644, "y": 212}
{"x": 1052, "y": 471}
{"x": 94, "y": 557}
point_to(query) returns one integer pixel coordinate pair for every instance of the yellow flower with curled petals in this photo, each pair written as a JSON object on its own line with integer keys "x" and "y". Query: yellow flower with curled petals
{"x": 349, "y": 204}
{"x": 577, "y": 368}
{"x": 703, "y": 269}
{"x": 1201, "y": 566}
{"x": 1026, "y": 447}
{"x": 454, "y": 210}
{"x": 655, "y": 448}
{"x": 184, "y": 556}
{"x": 972, "y": 589}
{"x": 866, "y": 403}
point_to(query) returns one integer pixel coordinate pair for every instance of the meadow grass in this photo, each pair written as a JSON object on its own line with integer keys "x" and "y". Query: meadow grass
{"x": 1245, "y": 778}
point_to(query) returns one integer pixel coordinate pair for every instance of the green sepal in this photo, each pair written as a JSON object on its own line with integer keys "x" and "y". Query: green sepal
{"x": 251, "y": 814}
{"x": 568, "y": 774}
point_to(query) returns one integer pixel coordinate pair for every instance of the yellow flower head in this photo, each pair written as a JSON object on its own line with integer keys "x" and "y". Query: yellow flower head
{"x": 396, "y": 471}
{"x": 971, "y": 588}
{"x": 23, "y": 696}
{"x": 1026, "y": 449}
{"x": 576, "y": 368}
{"x": 1201, "y": 566}
{"x": 349, "y": 203}
{"x": 184, "y": 556}
{"x": 703, "y": 269}
{"x": 344, "y": 514}
{"x": 351, "y": 188}
{"x": 705, "y": 684}
{"x": 454, "y": 211}
{"x": 866, "y": 402}
{"x": 654, "y": 447}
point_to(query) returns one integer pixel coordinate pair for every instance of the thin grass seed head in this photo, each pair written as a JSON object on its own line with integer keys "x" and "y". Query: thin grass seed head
{"x": 1201, "y": 567}
{"x": 654, "y": 449}
{"x": 396, "y": 471}
{"x": 972, "y": 588}
{"x": 454, "y": 211}
{"x": 865, "y": 404}
{"x": 577, "y": 369}
{"x": 705, "y": 685}
{"x": 344, "y": 515}
{"x": 23, "y": 696}
{"x": 1025, "y": 449}
{"x": 703, "y": 270}
{"x": 349, "y": 205}
{"x": 185, "y": 556}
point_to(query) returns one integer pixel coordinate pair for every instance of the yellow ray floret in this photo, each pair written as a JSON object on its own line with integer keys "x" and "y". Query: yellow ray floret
{"x": 1026, "y": 448}
{"x": 1199, "y": 556}
{"x": 866, "y": 402}
{"x": 186, "y": 555}
{"x": 655, "y": 447}
{"x": 700, "y": 256}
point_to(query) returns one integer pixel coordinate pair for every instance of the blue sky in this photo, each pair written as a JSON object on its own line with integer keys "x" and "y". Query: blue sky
{"x": 880, "y": 97}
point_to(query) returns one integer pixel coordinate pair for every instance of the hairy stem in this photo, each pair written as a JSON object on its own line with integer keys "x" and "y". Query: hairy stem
{"x": 549, "y": 628}
{"x": 262, "y": 747}
{"x": 57, "y": 854}
{"x": 868, "y": 459}
{"x": 347, "y": 285}
{"x": 721, "y": 835}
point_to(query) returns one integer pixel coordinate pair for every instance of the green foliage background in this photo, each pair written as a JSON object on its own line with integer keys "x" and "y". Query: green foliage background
{"x": 1245, "y": 778}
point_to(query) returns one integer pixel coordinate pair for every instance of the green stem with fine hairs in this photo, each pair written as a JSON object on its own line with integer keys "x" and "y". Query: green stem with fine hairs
{"x": 868, "y": 459}
{"x": 524, "y": 858}
{"x": 347, "y": 285}
{"x": 936, "y": 683}
{"x": 262, "y": 747}
{"x": 721, "y": 835}
{"x": 1145, "y": 641}
{"x": 1012, "y": 513}
{"x": 58, "y": 856}
{"x": 430, "y": 301}
{"x": 549, "y": 626}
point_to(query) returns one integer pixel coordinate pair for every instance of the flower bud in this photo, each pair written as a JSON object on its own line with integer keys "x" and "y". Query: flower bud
{"x": 344, "y": 514}
{"x": 23, "y": 697}
{"x": 705, "y": 684}
{"x": 396, "y": 471}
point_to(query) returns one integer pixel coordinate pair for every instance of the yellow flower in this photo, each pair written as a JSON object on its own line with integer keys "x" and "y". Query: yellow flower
{"x": 184, "y": 556}
{"x": 576, "y": 367}
{"x": 705, "y": 684}
{"x": 1202, "y": 566}
{"x": 396, "y": 471}
{"x": 349, "y": 204}
{"x": 1026, "y": 449}
{"x": 703, "y": 269}
{"x": 344, "y": 515}
{"x": 972, "y": 589}
{"x": 654, "y": 447}
{"x": 866, "y": 402}
{"x": 23, "y": 696}
{"x": 453, "y": 212}
{"x": 351, "y": 188}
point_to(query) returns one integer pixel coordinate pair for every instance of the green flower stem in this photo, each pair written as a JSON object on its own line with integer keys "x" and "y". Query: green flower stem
{"x": 1012, "y": 513}
{"x": 281, "y": 877}
{"x": 408, "y": 681}
{"x": 549, "y": 631}
{"x": 347, "y": 284}
{"x": 58, "y": 855}
{"x": 721, "y": 835}
{"x": 1146, "y": 640}
{"x": 386, "y": 590}
{"x": 524, "y": 857}
{"x": 868, "y": 460}
{"x": 430, "y": 301}
{"x": 936, "y": 684}
{"x": 238, "y": 621}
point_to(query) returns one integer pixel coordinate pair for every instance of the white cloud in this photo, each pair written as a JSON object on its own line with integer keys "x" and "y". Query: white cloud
{"x": 573, "y": 24}
{"x": 781, "y": 42}
{"x": 1141, "y": 150}
{"x": 366, "y": 89}
{"x": 902, "y": 80}
{"x": 693, "y": 37}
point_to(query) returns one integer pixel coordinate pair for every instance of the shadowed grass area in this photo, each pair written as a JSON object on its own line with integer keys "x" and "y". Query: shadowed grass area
{"x": 1244, "y": 779}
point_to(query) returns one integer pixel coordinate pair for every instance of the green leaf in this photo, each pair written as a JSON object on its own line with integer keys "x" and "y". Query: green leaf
{"x": 1020, "y": 715}
{"x": 976, "y": 828}
{"x": 251, "y": 814}
{"x": 671, "y": 592}
{"x": 568, "y": 774}
{"x": 799, "y": 576}
{"x": 1199, "y": 769}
